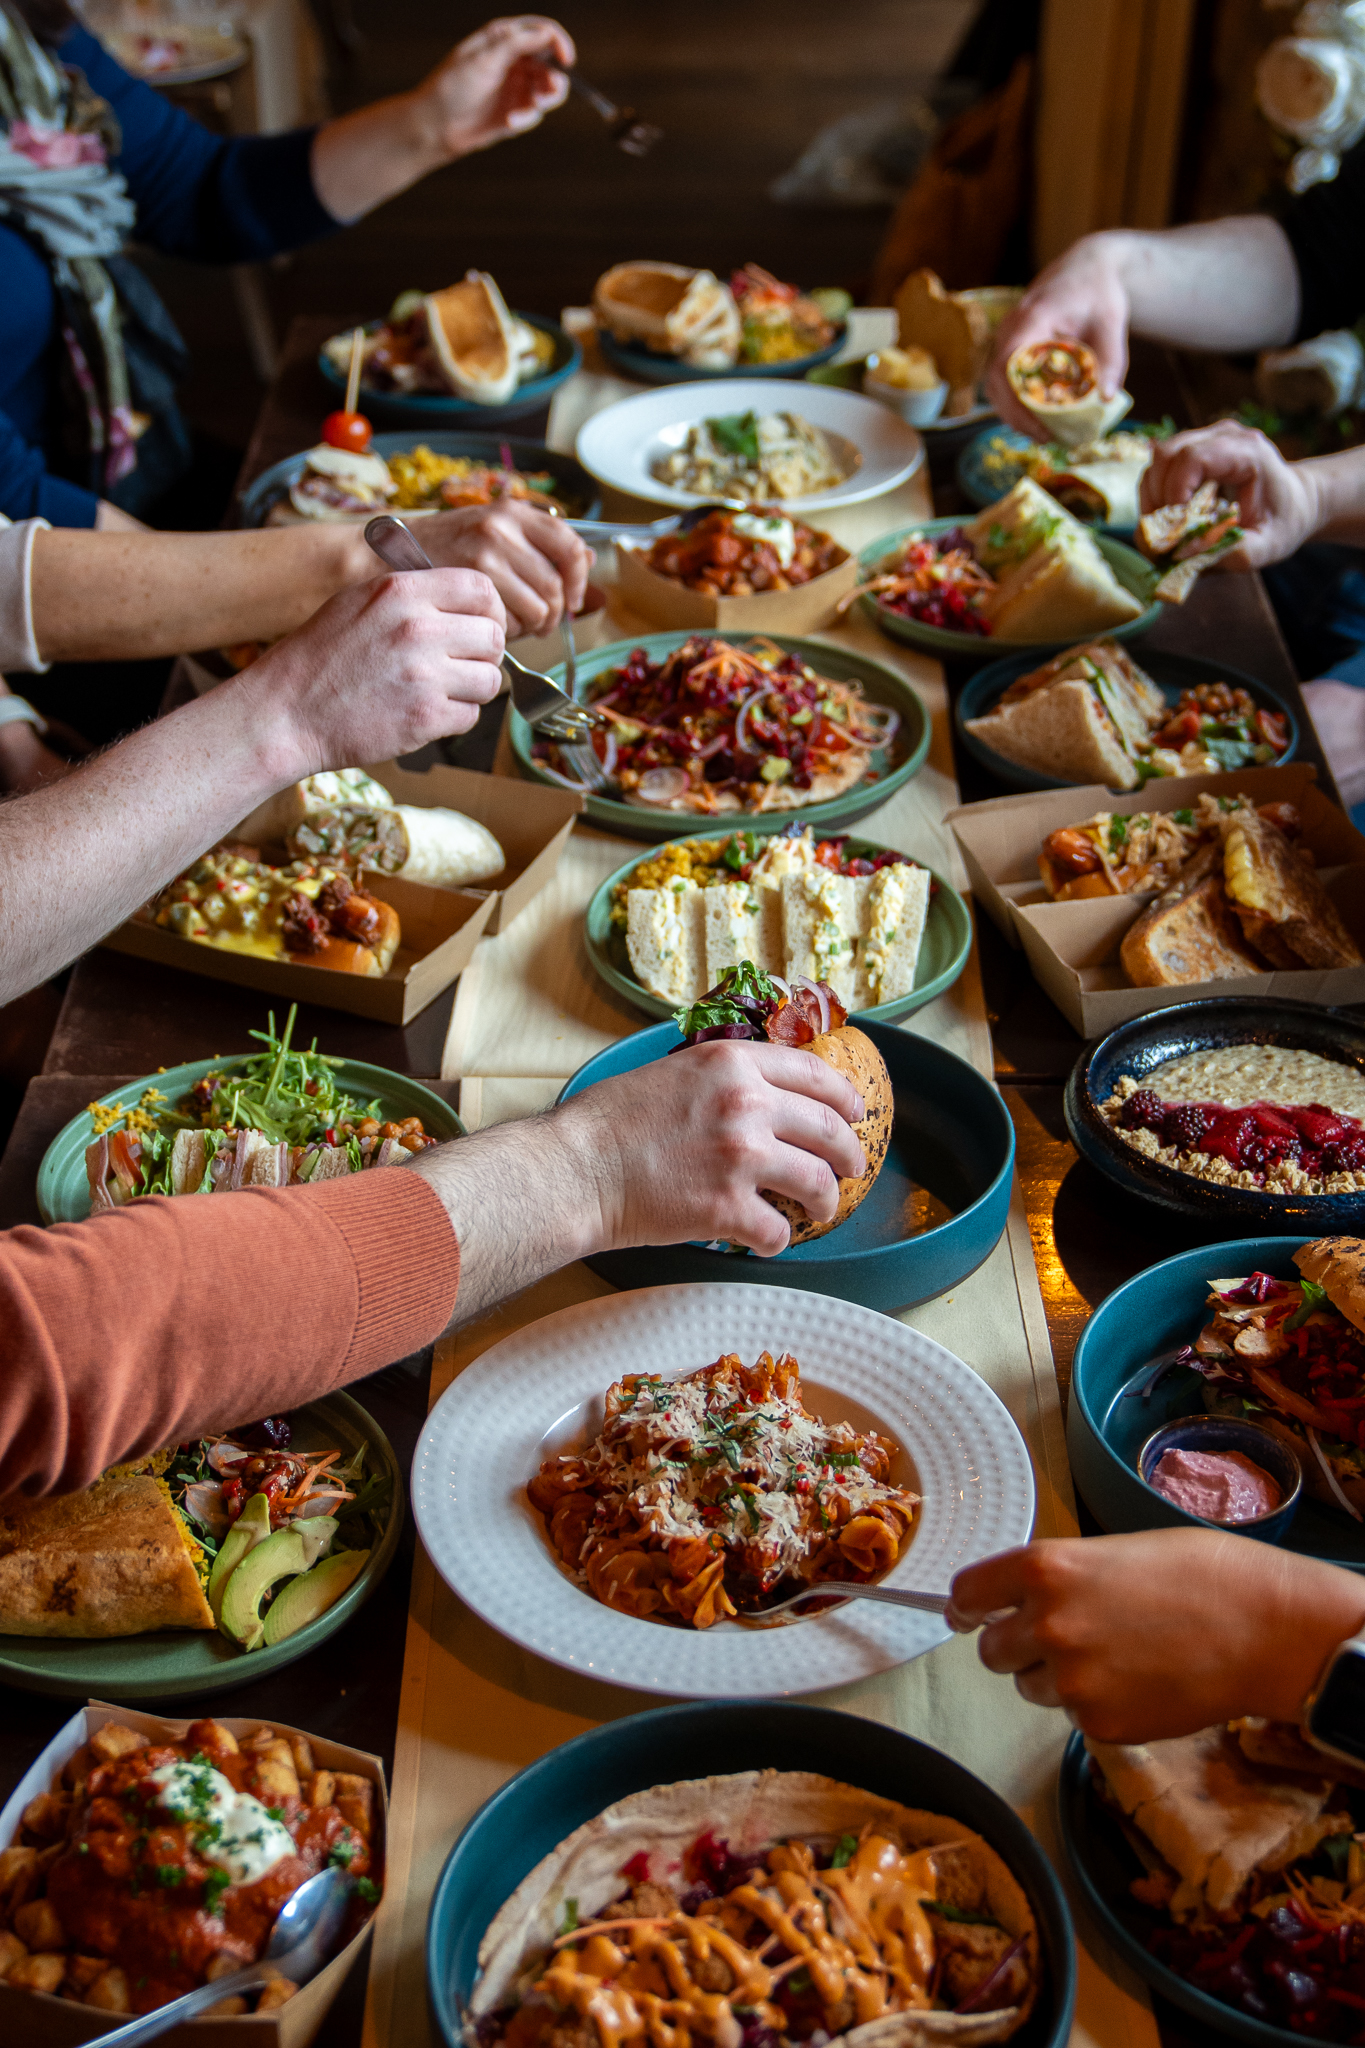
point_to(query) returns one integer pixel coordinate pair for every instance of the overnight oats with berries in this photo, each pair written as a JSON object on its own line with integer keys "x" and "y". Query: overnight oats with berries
{"x": 1269, "y": 1117}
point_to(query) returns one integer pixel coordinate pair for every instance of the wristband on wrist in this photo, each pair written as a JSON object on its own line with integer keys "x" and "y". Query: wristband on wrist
{"x": 18, "y": 710}
{"x": 1333, "y": 1716}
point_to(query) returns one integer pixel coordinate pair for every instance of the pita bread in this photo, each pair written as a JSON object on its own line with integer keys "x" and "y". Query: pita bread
{"x": 1338, "y": 1264}
{"x": 750, "y": 1810}
{"x": 115, "y": 1560}
{"x": 1215, "y": 1816}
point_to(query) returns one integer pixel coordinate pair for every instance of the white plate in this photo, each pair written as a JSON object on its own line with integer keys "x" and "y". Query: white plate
{"x": 618, "y": 444}
{"x": 542, "y": 1390}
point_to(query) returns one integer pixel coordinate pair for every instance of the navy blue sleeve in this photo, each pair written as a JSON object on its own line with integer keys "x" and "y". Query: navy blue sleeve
{"x": 1326, "y": 230}
{"x": 28, "y": 492}
{"x": 200, "y": 195}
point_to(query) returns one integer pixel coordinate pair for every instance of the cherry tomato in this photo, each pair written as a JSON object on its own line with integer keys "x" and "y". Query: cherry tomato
{"x": 350, "y": 430}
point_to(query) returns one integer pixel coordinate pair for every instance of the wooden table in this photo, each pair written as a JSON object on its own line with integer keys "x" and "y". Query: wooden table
{"x": 122, "y": 1018}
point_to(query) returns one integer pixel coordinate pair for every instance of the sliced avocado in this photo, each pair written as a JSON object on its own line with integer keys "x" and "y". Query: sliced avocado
{"x": 312, "y": 1593}
{"x": 282, "y": 1556}
{"x": 251, "y": 1527}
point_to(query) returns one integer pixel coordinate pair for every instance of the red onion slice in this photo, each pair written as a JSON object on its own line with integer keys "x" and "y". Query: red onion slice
{"x": 224, "y": 1458}
{"x": 1330, "y": 1476}
{"x": 801, "y": 981}
{"x": 877, "y": 726}
{"x": 661, "y": 785}
{"x": 204, "y": 1501}
{"x": 783, "y": 986}
{"x": 564, "y": 781}
{"x": 611, "y": 750}
{"x": 742, "y": 719}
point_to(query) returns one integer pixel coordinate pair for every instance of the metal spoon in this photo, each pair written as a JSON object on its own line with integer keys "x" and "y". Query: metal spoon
{"x": 304, "y": 1936}
{"x": 545, "y": 707}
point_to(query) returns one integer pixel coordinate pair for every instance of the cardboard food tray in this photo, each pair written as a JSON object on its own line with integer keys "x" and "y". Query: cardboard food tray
{"x": 1073, "y": 948}
{"x": 530, "y": 822}
{"x": 36, "y": 2019}
{"x": 664, "y": 603}
{"x": 441, "y": 928}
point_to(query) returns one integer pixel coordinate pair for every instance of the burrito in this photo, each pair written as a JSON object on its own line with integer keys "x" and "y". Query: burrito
{"x": 115, "y": 1560}
{"x": 772, "y": 1900}
{"x": 346, "y": 816}
{"x": 1058, "y": 383}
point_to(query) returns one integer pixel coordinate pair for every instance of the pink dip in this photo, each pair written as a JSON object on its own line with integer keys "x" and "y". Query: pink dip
{"x": 1218, "y": 1486}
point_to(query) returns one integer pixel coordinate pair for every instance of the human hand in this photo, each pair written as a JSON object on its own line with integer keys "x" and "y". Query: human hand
{"x": 679, "y": 1150}
{"x": 1080, "y": 297}
{"x": 382, "y": 669}
{"x": 1158, "y": 1633}
{"x": 536, "y": 563}
{"x": 1278, "y": 500}
{"x": 494, "y": 85}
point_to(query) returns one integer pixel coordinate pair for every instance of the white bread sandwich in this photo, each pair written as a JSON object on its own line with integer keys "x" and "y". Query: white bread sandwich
{"x": 666, "y": 939}
{"x": 1084, "y": 716}
{"x": 1052, "y": 579}
{"x": 890, "y": 908}
{"x": 820, "y": 925}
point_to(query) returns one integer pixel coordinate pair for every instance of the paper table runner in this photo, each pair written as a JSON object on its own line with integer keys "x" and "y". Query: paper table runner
{"x": 475, "y": 1709}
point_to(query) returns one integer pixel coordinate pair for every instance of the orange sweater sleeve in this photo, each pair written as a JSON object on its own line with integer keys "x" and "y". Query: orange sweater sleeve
{"x": 179, "y": 1317}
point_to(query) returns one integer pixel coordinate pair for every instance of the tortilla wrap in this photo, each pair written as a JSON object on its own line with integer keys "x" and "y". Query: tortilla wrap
{"x": 750, "y": 1811}
{"x": 1072, "y": 421}
{"x": 272, "y": 822}
{"x": 112, "y": 1561}
{"x": 419, "y": 843}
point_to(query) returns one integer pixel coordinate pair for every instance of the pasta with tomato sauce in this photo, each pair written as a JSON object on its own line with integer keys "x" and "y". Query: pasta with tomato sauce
{"x": 719, "y": 1494}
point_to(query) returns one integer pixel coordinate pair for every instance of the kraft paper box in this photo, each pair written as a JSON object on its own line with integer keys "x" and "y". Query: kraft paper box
{"x": 33, "y": 2019}
{"x": 1073, "y": 948}
{"x": 530, "y": 821}
{"x": 441, "y": 928}
{"x": 667, "y": 604}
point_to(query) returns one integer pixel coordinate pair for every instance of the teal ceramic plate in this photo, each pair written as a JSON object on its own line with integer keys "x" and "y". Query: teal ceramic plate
{"x": 63, "y": 1191}
{"x": 933, "y": 1214}
{"x": 891, "y": 766}
{"x": 942, "y": 955}
{"x": 444, "y": 409}
{"x": 1136, "y": 575}
{"x": 182, "y": 1662}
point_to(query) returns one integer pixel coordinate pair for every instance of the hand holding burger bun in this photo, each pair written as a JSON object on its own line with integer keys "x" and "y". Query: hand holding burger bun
{"x": 748, "y": 1004}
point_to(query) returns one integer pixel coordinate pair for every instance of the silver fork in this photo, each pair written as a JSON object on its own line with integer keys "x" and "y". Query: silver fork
{"x": 838, "y": 1592}
{"x": 545, "y": 707}
{"x": 628, "y": 132}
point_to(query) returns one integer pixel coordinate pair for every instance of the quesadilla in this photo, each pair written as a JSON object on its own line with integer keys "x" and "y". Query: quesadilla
{"x": 115, "y": 1560}
{"x": 799, "y": 1901}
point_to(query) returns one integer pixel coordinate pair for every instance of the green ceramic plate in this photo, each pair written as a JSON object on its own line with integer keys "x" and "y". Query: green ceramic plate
{"x": 1135, "y": 574}
{"x": 63, "y": 1192}
{"x": 942, "y": 955}
{"x": 201, "y": 1661}
{"x": 891, "y": 766}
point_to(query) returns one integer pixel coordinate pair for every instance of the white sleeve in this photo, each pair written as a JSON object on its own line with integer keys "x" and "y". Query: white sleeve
{"x": 18, "y": 648}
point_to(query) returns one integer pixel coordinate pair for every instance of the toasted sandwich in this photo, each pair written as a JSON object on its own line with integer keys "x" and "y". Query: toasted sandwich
{"x": 1189, "y": 538}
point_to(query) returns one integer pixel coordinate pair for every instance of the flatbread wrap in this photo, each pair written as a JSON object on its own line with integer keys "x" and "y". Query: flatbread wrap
{"x": 764, "y": 1890}
{"x": 115, "y": 1560}
{"x": 344, "y": 815}
{"x": 1058, "y": 383}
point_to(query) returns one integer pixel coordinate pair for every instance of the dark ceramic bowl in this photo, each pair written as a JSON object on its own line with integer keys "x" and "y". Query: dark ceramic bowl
{"x": 633, "y": 359}
{"x": 1118, "y": 1400}
{"x": 540, "y": 1806}
{"x": 444, "y": 409}
{"x": 1145, "y": 1043}
{"x": 1172, "y": 673}
{"x": 948, "y": 1167}
{"x": 1105, "y": 1866}
{"x": 1215, "y": 1433}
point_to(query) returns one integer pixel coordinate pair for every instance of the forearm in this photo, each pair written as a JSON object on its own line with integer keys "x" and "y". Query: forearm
{"x": 522, "y": 1202}
{"x": 1230, "y": 284}
{"x": 80, "y": 856}
{"x": 364, "y": 158}
{"x": 117, "y": 596}
{"x": 1337, "y": 487}
{"x": 1315, "y": 1605}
